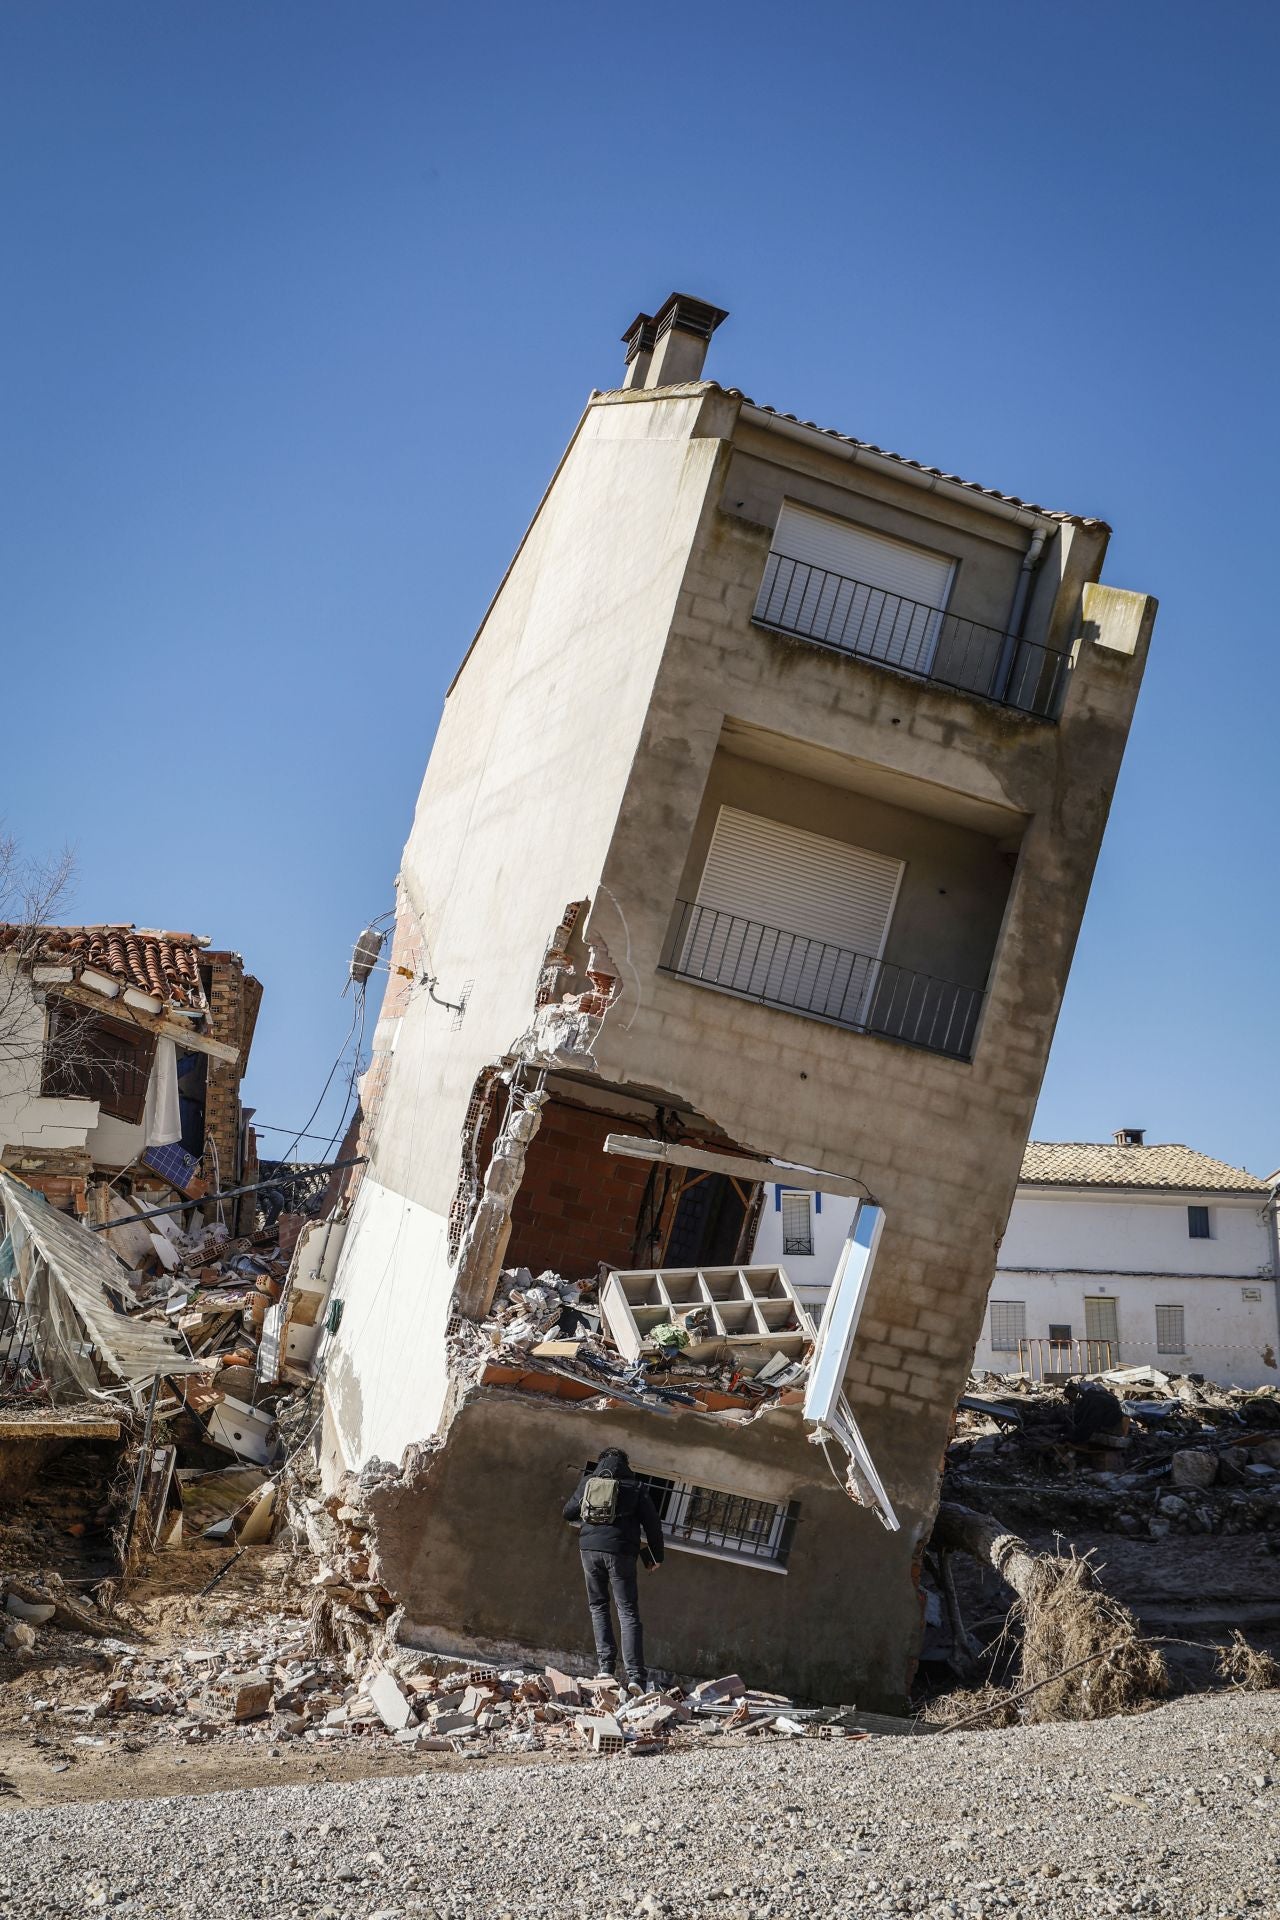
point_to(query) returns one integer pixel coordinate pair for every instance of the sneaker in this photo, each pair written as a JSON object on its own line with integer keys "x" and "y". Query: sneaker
{"x": 635, "y": 1689}
{"x": 604, "y": 1674}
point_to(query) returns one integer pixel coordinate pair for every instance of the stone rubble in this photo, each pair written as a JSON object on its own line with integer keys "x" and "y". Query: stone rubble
{"x": 1193, "y": 1458}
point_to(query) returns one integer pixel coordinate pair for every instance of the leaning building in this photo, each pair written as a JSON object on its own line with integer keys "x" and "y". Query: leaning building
{"x": 758, "y": 827}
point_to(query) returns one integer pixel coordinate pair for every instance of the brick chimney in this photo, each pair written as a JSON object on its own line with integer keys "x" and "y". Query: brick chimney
{"x": 668, "y": 348}
{"x": 1129, "y": 1136}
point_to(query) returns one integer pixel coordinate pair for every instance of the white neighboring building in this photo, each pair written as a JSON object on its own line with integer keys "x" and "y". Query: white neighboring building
{"x": 1151, "y": 1255}
{"x": 803, "y": 1232}
{"x": 1166, "y": 1256}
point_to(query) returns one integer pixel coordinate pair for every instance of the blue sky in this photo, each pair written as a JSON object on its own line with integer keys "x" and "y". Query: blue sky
{"x": 303, "y": 300}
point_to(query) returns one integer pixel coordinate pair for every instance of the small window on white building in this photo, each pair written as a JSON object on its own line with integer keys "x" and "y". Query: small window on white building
{"x": 1008, "y": 1324}
{"x": 1198, "y": 1223}
{"x": 797, "y": 1223}
{"x": 1170, "y": 1332}
{"x": 1060, "y": 1330}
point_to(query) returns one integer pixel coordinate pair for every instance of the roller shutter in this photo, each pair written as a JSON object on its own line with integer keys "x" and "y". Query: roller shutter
{"x": 843, "y": 584}
{"x": 791, "y": 916}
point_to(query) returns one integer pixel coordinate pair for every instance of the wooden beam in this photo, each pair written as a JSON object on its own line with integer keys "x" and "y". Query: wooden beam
{"x": 736, "y": 1166}
{"x": 160, "y": 1023}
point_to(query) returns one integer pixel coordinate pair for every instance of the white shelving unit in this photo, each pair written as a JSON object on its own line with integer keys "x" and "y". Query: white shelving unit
{"x": 747, "y": 1306}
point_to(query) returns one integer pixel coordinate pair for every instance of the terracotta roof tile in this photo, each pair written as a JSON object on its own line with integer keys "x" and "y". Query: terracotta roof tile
{"x": 164, "y": 964}
{"x": 904, "y": 460}
{"x": 1088, "y": 1163}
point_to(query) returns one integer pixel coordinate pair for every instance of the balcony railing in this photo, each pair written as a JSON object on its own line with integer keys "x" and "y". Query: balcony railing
{"x": 804, "y": 975}
{"x": 850, "y": 615}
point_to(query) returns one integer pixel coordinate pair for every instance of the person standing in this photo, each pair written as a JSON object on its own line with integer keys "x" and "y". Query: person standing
{"x": 620, "y": 1526}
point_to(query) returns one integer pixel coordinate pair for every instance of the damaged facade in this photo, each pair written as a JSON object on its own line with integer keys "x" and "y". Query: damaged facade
{"x": 122, "y": 1056}
{"x": 759, "y": 826}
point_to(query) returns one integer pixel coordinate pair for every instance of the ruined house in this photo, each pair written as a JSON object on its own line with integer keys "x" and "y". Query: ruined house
{"x": 758, "y": 827}
{"x": 122, "y": 1050}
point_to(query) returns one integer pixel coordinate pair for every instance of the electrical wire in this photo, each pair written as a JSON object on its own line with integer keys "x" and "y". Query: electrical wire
{"x": 355, "y": 1017}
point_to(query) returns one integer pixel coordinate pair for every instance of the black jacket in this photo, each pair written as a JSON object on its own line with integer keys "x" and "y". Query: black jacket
{"x": 636, "y": 1513}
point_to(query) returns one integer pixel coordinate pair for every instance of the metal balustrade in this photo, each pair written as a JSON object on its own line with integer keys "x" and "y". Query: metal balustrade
{"x": 804, "y": 975}
{"x": 815, "y": 604}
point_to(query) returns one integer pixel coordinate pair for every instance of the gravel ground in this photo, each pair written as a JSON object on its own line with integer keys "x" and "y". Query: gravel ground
{"x": 1175, "y": 1812}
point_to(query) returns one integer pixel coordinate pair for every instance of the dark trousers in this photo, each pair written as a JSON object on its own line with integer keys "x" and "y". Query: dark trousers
{"x": 615, "y": 1573}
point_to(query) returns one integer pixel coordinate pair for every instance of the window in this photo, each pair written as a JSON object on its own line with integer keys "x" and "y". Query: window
{"x": 725, "y": 1526}
{"x": 1008, "y": 1324}
{"x": 1059, "y": 1330}
{"x": 89, "y": 1056}
{"x": 790, "y": 916}
{"x": 1198, "y": 1223}
{"x": 1100, "y": 1321}
{"x": 1170, "y": 1333}
{"x": 851, "y": 588}
{"x": 797, "y": 1223}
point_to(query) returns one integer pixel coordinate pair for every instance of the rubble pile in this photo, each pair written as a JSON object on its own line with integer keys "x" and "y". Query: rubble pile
{"x": 215, "y": 1292}
{"x": 1133, "y": 1451}
{"x": 558, "y": 1330}
{"x": 270, "y": 1684}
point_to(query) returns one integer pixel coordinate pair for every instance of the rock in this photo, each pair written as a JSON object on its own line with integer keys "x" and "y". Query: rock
{"x": 1266, "y": 1453}
{"x": 36, "y": 1614}
{"x": 563, "y": 1688}
{"x": 1193, "y": 1467}
{"x": 251, "y": 1695}
{"x": 19, "y": 1637}
{"x": 1170, "y": 1505}
{"x": 731, "y": 1687}
{"x": 385, "y": 1693}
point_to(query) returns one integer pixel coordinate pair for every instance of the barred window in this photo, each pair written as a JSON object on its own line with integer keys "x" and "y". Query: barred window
{"x": 797, "y": 1223}
{"x": 1170, "y": 1330}
{"x": 726, "y": 1526}
{"x": 1008, "y": 1324}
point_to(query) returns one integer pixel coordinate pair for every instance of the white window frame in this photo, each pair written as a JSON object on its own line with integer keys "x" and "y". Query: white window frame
{"x": 796, "y": 1197}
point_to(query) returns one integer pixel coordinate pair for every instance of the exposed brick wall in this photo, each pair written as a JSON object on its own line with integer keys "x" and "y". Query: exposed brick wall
{"x": 234, "y": 999}
{"x": 577, "y": 1204}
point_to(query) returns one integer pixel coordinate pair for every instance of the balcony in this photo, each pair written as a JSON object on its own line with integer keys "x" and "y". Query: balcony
{"x": 803, "y": 975}
{"x": 811, "y": 603}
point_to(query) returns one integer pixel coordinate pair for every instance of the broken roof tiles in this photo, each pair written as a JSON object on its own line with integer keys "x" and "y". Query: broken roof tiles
{"x": 166, "y": 965}
{"x": 1087, "y": 1163}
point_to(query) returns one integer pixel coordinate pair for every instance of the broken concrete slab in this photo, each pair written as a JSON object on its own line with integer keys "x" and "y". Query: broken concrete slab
{"x": 388, "y": 1698}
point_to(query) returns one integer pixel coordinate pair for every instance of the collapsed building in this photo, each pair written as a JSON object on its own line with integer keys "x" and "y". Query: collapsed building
{"x": 753, "y": 845}
{"x": 122, "y": 1050}
{"x": 131, "y": 1241}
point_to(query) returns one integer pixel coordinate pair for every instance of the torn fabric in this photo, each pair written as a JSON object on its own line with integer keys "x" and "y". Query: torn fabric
{"x": 162, "y": 1116}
